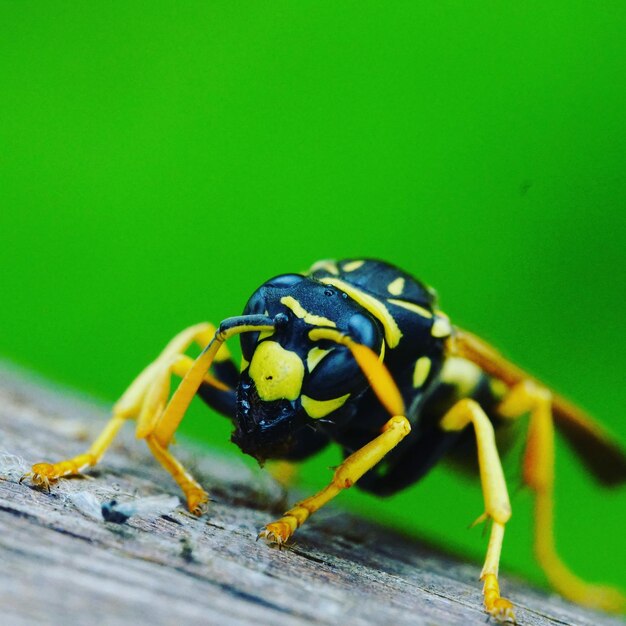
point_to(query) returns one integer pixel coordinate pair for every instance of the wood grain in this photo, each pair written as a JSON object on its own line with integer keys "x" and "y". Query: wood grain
{"x": 59, "y": 567}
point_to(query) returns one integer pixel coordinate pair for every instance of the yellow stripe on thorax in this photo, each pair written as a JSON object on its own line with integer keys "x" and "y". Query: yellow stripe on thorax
{"x": 326, "y": 265}
{"x": 298, "y": 310}
{"x": 352, "y": 266}
{"x": 374, "y": 306}
{"x": 421, "y": 371}
{"x": 396, "y": 287}
{"x": 442, "y": 326}
{"x": 410, "y": 306}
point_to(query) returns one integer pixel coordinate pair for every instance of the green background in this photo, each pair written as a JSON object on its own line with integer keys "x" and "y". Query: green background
{"x": 159, "y": 161}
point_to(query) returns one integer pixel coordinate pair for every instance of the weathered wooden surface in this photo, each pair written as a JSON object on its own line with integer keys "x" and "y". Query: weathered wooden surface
{"x": 59, "y": 567}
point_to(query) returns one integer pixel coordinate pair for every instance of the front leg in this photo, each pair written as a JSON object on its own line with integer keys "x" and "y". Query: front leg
{"x": 140, "y": 401}
{"x": 357, "y": 464}
{"x": 364, "y": 459}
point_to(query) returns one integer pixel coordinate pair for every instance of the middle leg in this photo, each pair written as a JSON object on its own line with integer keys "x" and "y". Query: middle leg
{"x": 152, "y": 409}
{"x": 497, "y": 504}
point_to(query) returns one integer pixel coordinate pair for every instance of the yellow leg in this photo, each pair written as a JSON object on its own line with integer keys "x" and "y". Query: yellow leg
{"x": 158, "y": 392}
{"x": 497, "y": 505}
{"x": 132, "y": 400}
{"x": 140, "y": 400}
{"x": 197, "y": 497}
{"x": 42, "y": 474}
{"x": 151, "y": 412}
{"x": 539, "y": 475}
{"x": 158, "y": 423}
{"x": 357, "y": 464}
{"x": 169, "y": 421}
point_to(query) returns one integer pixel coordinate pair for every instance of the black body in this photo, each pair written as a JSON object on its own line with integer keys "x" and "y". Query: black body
{"x": 283, "y": 429}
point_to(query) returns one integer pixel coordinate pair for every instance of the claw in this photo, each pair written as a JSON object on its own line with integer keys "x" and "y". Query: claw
{"x": 197, "y": 501}
{"x": 502, "y": 611}
{"x": 276, "y": 534}
{"x": 41, "y": 475}
{"x": 499, "y": 608}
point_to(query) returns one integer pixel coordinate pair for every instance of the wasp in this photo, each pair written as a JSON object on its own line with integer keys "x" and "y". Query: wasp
{"x": 358, "y": 353}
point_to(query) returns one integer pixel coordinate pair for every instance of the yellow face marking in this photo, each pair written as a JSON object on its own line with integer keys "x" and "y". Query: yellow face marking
{"x": 374, "y": 306}
{"x": 276, "y": 372}
{"x": 441, "y": 327}
{"x": 244, "y": 363}
{"x": 314, "y": 356}
{"x": 321, "y": 408}
{"x": 396, "y": 287}
{"x": 327, "y": 265}
{"x": 265, "y": 334}
{"x": 421, "y": 371}
{"x": 414, "y": 308}
{"x": 315, "y": 320}
{"x": 353, "y": 265}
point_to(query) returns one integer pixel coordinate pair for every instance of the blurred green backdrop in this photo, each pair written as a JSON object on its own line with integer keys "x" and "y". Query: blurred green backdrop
{"x": 159, "y": 160}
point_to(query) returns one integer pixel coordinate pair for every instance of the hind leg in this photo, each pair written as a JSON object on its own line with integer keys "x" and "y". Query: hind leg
{"x": 539, "y": 476}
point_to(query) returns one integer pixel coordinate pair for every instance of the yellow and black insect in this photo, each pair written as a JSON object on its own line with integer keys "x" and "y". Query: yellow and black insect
{"x": 357, "y": 353}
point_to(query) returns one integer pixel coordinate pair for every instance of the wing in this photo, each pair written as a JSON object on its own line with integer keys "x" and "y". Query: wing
{"x": 595, "y": 445}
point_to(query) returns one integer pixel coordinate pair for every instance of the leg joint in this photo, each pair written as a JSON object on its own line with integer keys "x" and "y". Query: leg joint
{"x": 464, "y": 412}
{"x": 523, "y": 397}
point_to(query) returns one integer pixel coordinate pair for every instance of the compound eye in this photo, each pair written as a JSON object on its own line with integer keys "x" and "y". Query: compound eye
{"x": 257, "y": 304}
{"x": 284, "y": 281}
{"x": 332, "y": 368}
{"x": 365, "y": 330}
